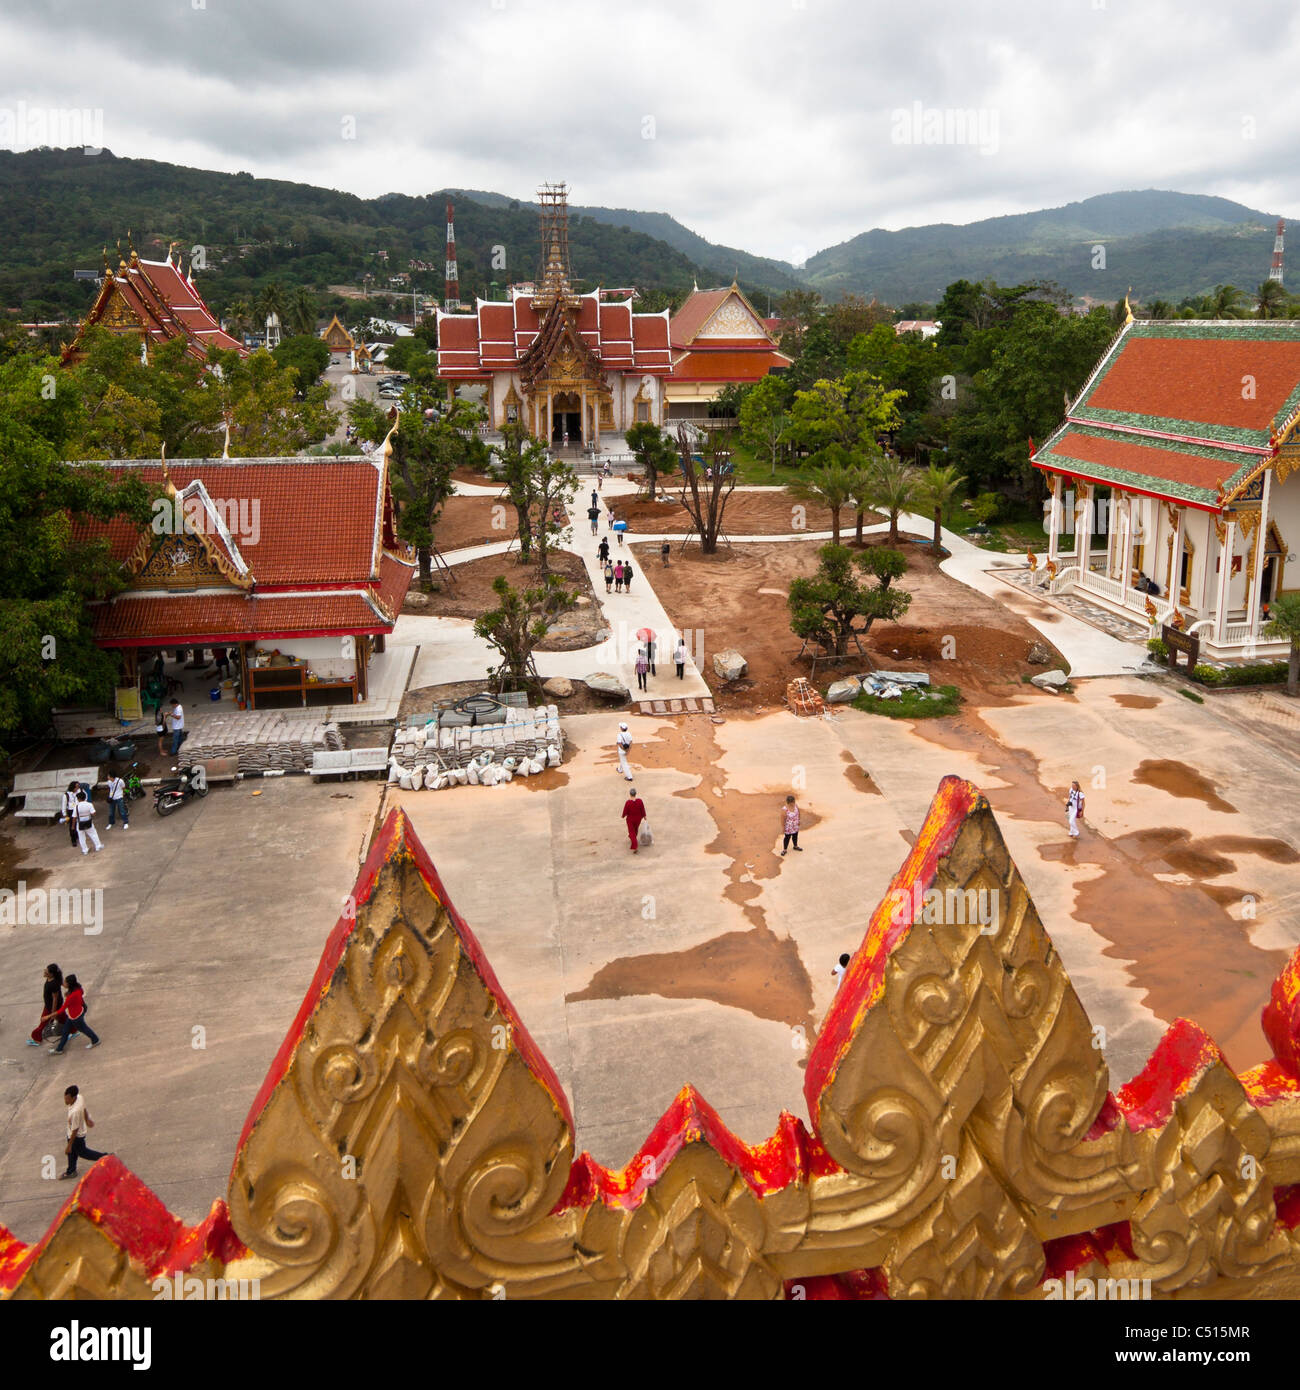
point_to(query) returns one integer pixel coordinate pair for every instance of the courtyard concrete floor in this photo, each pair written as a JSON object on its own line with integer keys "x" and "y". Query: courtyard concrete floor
{"x": 705, "y": 958}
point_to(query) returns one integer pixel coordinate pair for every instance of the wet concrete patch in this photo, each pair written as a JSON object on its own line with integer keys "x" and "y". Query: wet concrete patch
{"x": 1167, "y": 775}
{"x": 857, "y": 775}
{"x": 12, "y": 869}
{"x": 1136, "y": 701}
{"x": 753, "y": 970}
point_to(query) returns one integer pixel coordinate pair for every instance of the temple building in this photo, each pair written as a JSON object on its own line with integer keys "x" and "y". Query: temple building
{"x": 567, "y": 365}
{"x": 718, "y": 340}
{"x": 156, "y": 301}
{"x": 291, "y": 564}
{"x": 1178, "y": 453}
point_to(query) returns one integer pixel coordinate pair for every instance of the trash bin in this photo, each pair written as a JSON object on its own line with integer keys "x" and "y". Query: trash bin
{"x": 214, "y": 693}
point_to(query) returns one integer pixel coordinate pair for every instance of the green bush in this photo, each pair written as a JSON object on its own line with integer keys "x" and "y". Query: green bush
{"x": 1158, "y": 649}
{"x": 1207, "y": 675}
{"x": 913, "y": 704}
{"x": 1193, "y": 696}
{"x": 1260, "y": 673}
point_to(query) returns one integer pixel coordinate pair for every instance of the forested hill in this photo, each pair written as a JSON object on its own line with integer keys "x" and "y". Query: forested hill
{"x": 59, "y": 207}
{"x": 1165, "y": 245}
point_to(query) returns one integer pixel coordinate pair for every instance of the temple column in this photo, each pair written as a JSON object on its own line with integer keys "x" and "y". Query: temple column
{"x": 550, "y": 416}
{"x": 1112, "y": 535}
{"x": 1257, "y": 567}
{"x": 1054, "y": 527}
{"x": 582, "y": 412}
{"x": 1176, "y": 559}
{"x": 1083, "y": 526}
{"x": 1126, "y": 573}
{"x": 1225, "y": 574}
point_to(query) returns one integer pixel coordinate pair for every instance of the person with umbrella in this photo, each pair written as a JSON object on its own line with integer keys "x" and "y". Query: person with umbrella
{"x": 620, "y": 530}
{"x": 646, "y": 635}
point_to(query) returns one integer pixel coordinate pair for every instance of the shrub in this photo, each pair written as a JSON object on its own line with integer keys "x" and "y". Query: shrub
{"x": 986, "y": 506}
{"x": 1158, "y": 649}
{"x": 1260, "y": 673}
{"x": 1193, "y": 696}
{"x": 1207, "y": 675}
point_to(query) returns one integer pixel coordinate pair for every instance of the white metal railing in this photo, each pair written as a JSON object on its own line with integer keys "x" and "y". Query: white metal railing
{"x": 1064, "y": 580}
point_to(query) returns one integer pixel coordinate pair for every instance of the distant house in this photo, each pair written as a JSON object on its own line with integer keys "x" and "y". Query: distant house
{"x": 156, "y": 301}
{"x": 337, "y": 338}
{"x": 717, "y": 340}
{"x": 927, "y": 328}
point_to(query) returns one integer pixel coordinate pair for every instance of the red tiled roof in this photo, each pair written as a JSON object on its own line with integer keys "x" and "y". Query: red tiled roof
{"x": 315, "y": 522}
{"x": 694, "y": 314}
{"x": 1166, "y": 472}
{"x": 735, "y": 365}
{"x": 147, "y": 619}
{"x": 1205, "y": 380}
{"x": 394, "y": 580}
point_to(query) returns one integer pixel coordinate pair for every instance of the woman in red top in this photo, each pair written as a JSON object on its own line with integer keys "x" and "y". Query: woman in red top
{"x": 634, "y": 814}
{"x": 73, "y": 1014}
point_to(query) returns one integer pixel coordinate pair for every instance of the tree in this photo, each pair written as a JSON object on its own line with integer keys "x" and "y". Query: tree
{"x": 538, "y": 486}
{"x": 654, "y": 452}
{"x": 831, "y": 485}
{"x": 850, "y": 412}
{"x": 1272, "y": 300}
{"x": 890, "y": 486}
{"x": 515, "y": 626}
{"x": 705, "y": 497}
{"x": 1158, "y": 309}
{"x": 1225, "y": 302}
{"x": 1285, "y": 623}
{"x": 798, "y": 310}
{"x": 835, "y": 606}
{"x": 937, "y": 488}
{"x": 302, "y": 311}
{"x": 271, "y": 301}
{"x": 764, "y": 418}
{"x": 307, "y": 354}
{"x": 239, "y": 318}
{"x": 426, "y": 452}
{"x": 49, "y": 575}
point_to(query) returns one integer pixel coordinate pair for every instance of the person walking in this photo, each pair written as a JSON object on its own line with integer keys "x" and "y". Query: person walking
{"x": 593, "y": 516}
{"x": 618, "y": 577}
{"x": 627, "y": 576}
{"x": 790, "y": 825}
{"x": 86, "y": 832}
{"x": 78, "y": 1122}
{"x": 178, "y": 726}
{"x": 73, "y": 1014}
{"x": 595, "y": 499}
{"x": 50, "y": 1006}
{"x": 649, "y": 649}
{"x": 602, "y": 550}
{"x": 1074, "y": 809}
{"x": 624, "y": 743}
{"x": 633, "y": 814}
{"x": 642, "y": 667}
{"x": 221, "y": 658}
{"x": 838, "y": 969}
{"x": 68, "y": 809}
{"x": 117, "y": 803}
{"x": 679, "y": 658}
{"x": 665, "y": 550}
{"x": 609, "y": 575}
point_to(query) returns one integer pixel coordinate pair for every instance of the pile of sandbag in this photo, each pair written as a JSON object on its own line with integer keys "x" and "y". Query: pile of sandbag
{"x": 524, "y": 733}
{"x": 483, "y": 770}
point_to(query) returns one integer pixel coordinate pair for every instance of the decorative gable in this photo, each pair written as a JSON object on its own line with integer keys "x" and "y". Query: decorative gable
{"x": 733, "y": 318}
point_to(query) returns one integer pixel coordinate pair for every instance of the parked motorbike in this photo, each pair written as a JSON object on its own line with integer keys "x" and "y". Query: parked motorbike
{"x": 173, "y": 792}
{"x": 134, "y": 787}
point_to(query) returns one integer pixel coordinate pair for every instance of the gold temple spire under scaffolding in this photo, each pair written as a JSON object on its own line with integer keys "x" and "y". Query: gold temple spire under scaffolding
{"x": 555, "y": 283}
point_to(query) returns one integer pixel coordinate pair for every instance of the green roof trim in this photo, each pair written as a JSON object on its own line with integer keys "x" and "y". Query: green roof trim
{"x": 1226, "y": 434}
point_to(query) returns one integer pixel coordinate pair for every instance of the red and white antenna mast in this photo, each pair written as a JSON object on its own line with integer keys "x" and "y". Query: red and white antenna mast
{"x": 451, "y": 287}
{"x": 1275, "y": 271}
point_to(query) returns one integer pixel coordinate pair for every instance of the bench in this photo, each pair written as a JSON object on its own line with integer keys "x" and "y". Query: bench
{"x": 219, "y": 769}
{"x": 55, "y": 780}
{"x": 344, "y": 761}
{"x": 41, "y": 806}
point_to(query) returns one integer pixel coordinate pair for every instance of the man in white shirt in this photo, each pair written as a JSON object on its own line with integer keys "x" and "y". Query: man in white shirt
{"x": 624, "y": 743}
{"x": 78, "y": 1120}
{"x": 838, "y": 969}
{"x": 68, "y": 810}
{"x": 86, "y": 832}
{"x": 1074, "y": 809}
{"x": 117, "y": 803}
{"x": 178, "y": 727}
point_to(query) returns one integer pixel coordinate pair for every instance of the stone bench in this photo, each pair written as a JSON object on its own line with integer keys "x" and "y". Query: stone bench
{"x": 55, "y": 780}
{"x": 41, "y": 806}
{"x": 349, "y": 761}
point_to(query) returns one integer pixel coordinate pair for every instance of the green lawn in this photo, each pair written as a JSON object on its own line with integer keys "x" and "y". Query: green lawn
{"x": 913, "y": 704}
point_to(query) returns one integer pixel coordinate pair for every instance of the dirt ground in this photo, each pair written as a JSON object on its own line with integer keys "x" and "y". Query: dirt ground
{"x": 468, "y": 521}
{"x": 472, "y": 595}
{"x": 736, "y": 598}
{"x": 747, "y": 514}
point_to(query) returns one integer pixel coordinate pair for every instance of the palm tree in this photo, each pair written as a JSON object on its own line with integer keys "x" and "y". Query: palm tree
{"x": 1159, "y": 309}
{"x": 302, "y": 310}
{"x": 831, "y": 485}
{"x": 1285, "y": 622}
{"x": 239, "y": 317}
{"x": 937, "y": 488}
{"x": 891, "y": 487}
{"x": 271, "y": 301}
{"x": 1226, "y": 302}
{"x": 1272, "y": 300}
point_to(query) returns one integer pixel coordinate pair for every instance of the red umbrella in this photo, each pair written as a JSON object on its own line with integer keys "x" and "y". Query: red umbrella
{"x": 645, "y": 634}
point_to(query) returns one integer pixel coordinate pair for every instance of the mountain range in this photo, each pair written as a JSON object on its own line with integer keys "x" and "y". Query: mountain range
{"x": 59, "y": 207}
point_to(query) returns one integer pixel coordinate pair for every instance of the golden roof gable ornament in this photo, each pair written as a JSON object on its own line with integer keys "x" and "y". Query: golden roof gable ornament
{"x": 411, "y": 1141}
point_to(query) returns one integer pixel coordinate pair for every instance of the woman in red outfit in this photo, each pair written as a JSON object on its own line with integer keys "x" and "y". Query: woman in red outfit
{"x": 634, "y": 814}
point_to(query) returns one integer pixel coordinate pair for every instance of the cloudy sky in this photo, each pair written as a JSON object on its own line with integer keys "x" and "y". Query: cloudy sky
{"x": 780, "y": 126}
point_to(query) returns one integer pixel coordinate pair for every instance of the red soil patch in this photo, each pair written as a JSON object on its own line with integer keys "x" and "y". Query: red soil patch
{"x": 747, "y": 514}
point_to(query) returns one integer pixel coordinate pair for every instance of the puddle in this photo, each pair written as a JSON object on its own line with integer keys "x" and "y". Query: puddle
{"x": 750, "y": 970}
{"x": 1178, "y": 779}
{"x": 858, "y": 777}
{"x": 12, "y": 869}
{"x": 1136, "y": 701}
{"x": 545, "y": 781}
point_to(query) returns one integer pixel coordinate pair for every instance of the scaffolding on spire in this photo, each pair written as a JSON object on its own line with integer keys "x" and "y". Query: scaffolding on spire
{"x": 555, "y": 281}
{"x": 1275, "y": 271}
{"x": 451, "y": 285}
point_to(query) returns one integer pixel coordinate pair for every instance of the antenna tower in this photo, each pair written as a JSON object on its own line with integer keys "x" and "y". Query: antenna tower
{"x": 451, "y": 286}
{"x": 1275, "y": 271}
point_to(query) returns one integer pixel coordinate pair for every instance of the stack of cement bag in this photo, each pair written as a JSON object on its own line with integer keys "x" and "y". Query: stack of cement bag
{"x": 524, "y": 744}
{"x": 269, "y": 743}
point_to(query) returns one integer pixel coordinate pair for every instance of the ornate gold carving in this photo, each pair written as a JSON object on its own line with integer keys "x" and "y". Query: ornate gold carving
{"x": 412, "y": 1142}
